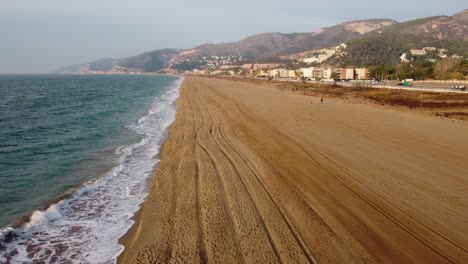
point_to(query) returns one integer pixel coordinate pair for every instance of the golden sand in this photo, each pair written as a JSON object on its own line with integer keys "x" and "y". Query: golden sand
{"x": 253, "y": 174}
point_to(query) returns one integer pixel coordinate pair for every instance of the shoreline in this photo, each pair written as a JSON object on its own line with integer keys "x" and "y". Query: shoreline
{"x": 61, "y": 209}
{"x": 276, "y": 180}
{"x": 26, "y": 218}
{"x": 134, "y": 230}
{"x": 133, "y": 233}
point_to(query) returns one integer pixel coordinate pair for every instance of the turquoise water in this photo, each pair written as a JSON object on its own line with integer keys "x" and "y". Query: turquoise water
{"x": 59, "y": 131}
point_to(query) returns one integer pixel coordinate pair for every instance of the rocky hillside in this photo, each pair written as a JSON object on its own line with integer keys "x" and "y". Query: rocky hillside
{"x": 150, "y": 61}
{"x": 104, "y": 64}
{"x": 365, "y": 26}
{"x": 386, "y": 45}
{"x": 441, "y": 27}
{"x": 278, "y": 44}
{"x": 266, "y": 44}
{"x": 462, "y": 16}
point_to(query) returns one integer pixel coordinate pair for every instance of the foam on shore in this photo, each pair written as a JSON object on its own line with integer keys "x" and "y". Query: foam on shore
{"x": 86, "y": 226}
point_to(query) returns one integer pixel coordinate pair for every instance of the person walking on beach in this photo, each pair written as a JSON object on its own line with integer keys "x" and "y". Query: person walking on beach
{"x": 321, "y": 100}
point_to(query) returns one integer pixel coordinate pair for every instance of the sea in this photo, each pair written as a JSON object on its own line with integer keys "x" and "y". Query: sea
{"x": 77, "y": 153}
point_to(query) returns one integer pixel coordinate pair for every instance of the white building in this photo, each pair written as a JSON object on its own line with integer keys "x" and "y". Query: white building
{"x": 403, "y": 58}
{"x": 326, "y": 73}
{"x": 282, "y": 73}
{"x": 307, "y": 72}
{"x": 279, "y": 73}
{"x": 347, "y": 74}
{"x": 291, "y": 74}
{"x": 429, "y": 49}
{"x": 362, "y": 73}
{"x": 418, "y": 52}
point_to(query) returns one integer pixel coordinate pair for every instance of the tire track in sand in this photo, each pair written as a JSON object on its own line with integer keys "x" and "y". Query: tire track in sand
{"x": 302, "y": 145}
{"x": 228, "y": 145}
{"x": 221, "y": 241}
{"x": 282, "y": 213}
{"x": 234, "y": 188}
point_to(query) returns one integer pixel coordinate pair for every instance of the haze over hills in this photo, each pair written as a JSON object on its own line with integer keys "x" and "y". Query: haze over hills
{"x": 370, "y": 42}
{"x": 257, "y": 46}
{"x": 276, "y": 44}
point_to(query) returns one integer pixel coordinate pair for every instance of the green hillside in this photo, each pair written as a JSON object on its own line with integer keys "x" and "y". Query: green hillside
{"x": 385, "y": 48}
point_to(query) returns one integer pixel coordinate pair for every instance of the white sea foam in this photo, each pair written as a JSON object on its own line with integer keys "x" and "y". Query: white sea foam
{"x": 86, "y": 227}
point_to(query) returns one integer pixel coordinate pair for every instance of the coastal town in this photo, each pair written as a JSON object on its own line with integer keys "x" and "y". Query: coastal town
{"x": 316, "y": 65}
{"x": 276, "y": 71}
{"x": 221, "y": 66}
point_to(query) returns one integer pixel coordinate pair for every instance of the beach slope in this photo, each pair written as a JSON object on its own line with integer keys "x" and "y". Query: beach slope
{"x": 252, "y": 174}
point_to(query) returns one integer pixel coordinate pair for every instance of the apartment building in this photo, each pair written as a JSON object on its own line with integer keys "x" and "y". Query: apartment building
{"x": 282, "y": 73}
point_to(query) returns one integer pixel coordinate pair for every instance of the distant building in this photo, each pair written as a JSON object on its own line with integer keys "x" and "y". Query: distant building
{"x": 196, "y": 71}
{"x": 442, "y": 53}
{"x": 283, "y": 74}
{"x": 361, "y": 74}
{"x": 426, "y": 49}
{"x": 353, "y": 73}
{"x": 275, "y": 73}
{"x": 326, "y": 73}
{"x": 262, "y": 73}
{"x": 225, "y": 67}
{"x": 307, "y": 73}
{"x": 291, "y": 74}
{"x": 337, "y": 72}
{"x": 347, "y": 74}
{"x": 259, "y": 66}
{"x": 403, "y": 58}
{"x": 316, "y": 73}
{"x": 418, "y": 52}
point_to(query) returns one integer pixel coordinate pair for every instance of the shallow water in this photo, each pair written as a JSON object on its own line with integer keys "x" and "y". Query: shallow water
{"x": 95, "y": 137}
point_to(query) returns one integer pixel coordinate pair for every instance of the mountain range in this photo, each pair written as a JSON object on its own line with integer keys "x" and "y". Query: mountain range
{"x": 369, "y": 42}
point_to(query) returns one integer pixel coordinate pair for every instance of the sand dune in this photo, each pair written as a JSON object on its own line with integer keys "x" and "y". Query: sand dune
{"x": 253, "y": 174}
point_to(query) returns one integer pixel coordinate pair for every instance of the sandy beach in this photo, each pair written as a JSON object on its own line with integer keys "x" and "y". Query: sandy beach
{"x": 258, "y": 175}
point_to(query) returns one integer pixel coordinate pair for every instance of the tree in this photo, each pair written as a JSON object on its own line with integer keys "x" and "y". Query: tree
{"x": 423, "y": 69}
{"x": 445, "y": 67}
{"x": 404, "y": 71}
{"x": 381, "y": 72}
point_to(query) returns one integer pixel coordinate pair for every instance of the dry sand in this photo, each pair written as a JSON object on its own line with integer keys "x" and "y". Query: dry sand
{"x": 252, "y": 174}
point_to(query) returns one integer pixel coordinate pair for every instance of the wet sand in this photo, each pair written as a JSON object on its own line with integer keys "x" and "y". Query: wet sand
{"x": 253, "y": 174}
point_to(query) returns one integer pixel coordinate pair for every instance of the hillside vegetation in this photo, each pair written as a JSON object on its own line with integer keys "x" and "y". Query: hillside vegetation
{"x": 448, "y": 32}
{"x": 385, "y": 48}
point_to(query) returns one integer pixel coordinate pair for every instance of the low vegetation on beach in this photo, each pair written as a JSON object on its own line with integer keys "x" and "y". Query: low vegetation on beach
{"x": 446, "y": 105}
{"x": 454, "y": 115}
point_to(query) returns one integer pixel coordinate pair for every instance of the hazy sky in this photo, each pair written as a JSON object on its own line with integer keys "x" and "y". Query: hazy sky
{"x": 42, "y": 35}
